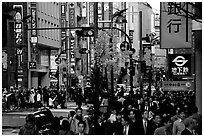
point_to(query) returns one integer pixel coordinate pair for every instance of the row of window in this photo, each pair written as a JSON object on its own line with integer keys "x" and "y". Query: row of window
{"x": 52, "y": 34}
{"x": 49, "y": 8}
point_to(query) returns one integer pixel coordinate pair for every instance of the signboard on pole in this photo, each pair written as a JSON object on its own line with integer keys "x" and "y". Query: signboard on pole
{"x": 177, "y": 85}
{"x": 176, "y": 27}
{"x": 71, "y": 37}
{"x": 179, "y": 64}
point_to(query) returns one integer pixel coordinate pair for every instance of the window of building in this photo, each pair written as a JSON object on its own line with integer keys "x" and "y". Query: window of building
{"x": 45, "y": 32}
{"x": 58, "y": 33}
{"x": 49, "y": 31}
{"x": 52, "y": 32}
{"x": 132, "y": 14}
{"x": 45, "y": 8}
{"x": 40, "y": 26}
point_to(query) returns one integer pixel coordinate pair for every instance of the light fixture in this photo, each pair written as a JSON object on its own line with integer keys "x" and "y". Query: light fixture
{"x": 121, "y": 19}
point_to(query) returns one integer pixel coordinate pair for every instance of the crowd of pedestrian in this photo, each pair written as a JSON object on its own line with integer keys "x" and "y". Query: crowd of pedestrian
{"x": 162, "y": 113}
{"x": 17, "y": 98}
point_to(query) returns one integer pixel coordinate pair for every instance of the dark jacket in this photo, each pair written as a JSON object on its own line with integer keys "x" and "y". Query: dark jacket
{"x": 28, "y": 129}
{"x": 140, "y": 128}
{"x": 118, "y": 128}
{"x": 186, "y": 132}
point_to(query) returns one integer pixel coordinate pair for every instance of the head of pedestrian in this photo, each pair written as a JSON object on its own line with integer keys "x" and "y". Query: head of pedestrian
{"x": 182, "y": 114}
{"x": 30, "y": 118}
{"x": 157, "y": 119}
{"x": 81, "y": 127}
{"x": 101, "y": 117}
{"x": 119, "y": 116}
{"x": 145, "y": 115}
{"x": 190, "y": 123}
{"x": 168, "y": 122}
{"x": 131, "y": 114}
{"x": 79, "y": 111}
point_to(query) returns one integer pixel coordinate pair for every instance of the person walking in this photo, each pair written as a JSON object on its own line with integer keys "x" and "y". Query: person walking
{"x": 178, "y": 125}
{"x": 166, "y": 129}
{"x": 65, "y": 128}
{"x": 144, "y": 126}
{"x": 190, "y": 126}
{"x": 75, "y": 120}
{"x": 29, "y": 128}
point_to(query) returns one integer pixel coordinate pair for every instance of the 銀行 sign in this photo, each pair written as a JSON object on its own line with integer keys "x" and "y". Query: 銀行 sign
{"x": 176, "y": 26}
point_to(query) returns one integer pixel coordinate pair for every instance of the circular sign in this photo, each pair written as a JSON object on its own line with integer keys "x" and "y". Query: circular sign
{"x": 188, "y": 84}
{"x": 90, "y": 32}
{"x": 58, "y": 60}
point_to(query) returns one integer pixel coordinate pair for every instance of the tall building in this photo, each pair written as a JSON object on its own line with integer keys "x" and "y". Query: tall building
{"x": 14, "y": 45}
{"x": 42, "y": 42}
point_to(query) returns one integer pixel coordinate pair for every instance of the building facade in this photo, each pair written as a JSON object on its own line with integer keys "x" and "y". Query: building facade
{"x": 42, "y": 42}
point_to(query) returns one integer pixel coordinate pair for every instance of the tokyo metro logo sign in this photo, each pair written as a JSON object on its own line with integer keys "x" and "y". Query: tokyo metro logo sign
{"x": 179, "y": 64}
{"x": 180, "y": 61}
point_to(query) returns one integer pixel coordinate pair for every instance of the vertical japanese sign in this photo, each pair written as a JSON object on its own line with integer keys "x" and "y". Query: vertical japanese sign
{"x": 71, "y": 38}
{"x": 18, "y": 41}
{"x": 176, "y": 26}
{"x": 147, "y": 55}
{"x": 63, "y": 31}
{"x": 179, "y": 64}
{"x": 34, "y": 49}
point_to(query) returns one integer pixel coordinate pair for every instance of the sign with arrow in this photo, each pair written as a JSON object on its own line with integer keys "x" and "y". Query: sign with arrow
{"x": 180, "y": 64}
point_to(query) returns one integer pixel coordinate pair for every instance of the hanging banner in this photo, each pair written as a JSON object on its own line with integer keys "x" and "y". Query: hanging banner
{"x": 176, "y": 27}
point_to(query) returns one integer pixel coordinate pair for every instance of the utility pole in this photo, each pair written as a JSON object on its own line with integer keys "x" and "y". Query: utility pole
{"x": 95, "y": 90}
{"x": 141, "y": 51}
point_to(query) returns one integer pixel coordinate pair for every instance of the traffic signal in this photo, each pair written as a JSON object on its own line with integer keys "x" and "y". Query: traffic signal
{"x": 143, "y": 67}
{"x": 132, "y": 71}
{"x": 147, "y": 38}
{"x": 85, "y": 32}
{"x": 157, "y": 76}
{"x": 124, "y": 46}
{"x": 123, "y": 71}
{"x": 83, "y": 51}
{"x": 64, "y": 69}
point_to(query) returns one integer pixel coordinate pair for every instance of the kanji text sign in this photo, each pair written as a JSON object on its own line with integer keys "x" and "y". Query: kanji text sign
{"x": 175, "y": 26}
{"x": 180, "y": 64}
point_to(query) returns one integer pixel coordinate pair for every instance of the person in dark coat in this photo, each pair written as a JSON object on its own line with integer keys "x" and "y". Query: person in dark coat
{"x": 79, "y": 99}
{"x": 190, "y": 126}
{"x": 65, "y": 128}
{"x": 118, "y": 127}
{"x": 128, "y": 129}
{"x": 99, "y": 126}
{"x": 29, "y": 128}
{"x": 45, "y": 95}
{"x": 144, "y": 126}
